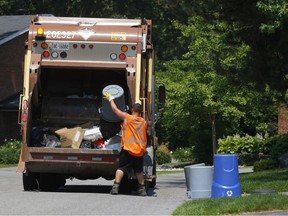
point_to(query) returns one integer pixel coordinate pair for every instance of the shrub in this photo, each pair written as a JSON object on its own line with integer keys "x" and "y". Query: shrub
{"x": 10, "y": 151}
{"x": 183, "y": 154}
{"x": 264, "y": 164}
{"x": 163, "y": 155}
{"x": 278, "y": 145}
{"x": 250, "y": 159}
{"x": 243, "y": 145}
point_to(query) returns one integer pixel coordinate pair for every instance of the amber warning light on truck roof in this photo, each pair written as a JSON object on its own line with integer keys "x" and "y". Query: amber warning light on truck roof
{"x": 40, "y": 32}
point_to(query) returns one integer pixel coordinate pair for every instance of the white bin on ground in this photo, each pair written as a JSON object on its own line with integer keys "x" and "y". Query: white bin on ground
{"x": 198, "y": 180}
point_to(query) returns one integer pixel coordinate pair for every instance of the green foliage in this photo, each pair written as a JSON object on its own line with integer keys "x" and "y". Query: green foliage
{"x": 183, "y": 154}
{"x": 278, "y": 145}
{"x": 249, "y": 159}
{"x": 201, "y": 86}
{"x": 163, "y": 155}
{"x": 10, "y": 151}
{"x": 276, "y": 13}
{"x": 264, "y": 164}
{"x": 243, "y": 145}
{"x": 253, "y": 148}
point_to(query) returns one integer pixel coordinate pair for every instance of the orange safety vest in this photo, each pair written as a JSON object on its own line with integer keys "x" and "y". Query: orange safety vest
{"x": 134, "y": 136}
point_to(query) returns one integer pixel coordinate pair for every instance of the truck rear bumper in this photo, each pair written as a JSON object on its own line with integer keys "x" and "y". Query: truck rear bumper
{"x": 88, "y": 163}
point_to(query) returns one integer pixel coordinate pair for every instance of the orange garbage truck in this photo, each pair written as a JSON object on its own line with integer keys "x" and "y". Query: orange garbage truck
{"x": 67, "y": 128}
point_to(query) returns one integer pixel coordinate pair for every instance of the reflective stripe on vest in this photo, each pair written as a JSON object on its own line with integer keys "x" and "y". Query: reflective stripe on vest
{"x": 137, "y": 132}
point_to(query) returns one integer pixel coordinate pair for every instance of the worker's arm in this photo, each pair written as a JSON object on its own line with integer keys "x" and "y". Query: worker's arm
{"x": 118, "y": 112}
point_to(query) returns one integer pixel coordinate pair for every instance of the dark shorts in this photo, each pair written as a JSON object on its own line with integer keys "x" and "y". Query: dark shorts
{"x": 128, "y": 161}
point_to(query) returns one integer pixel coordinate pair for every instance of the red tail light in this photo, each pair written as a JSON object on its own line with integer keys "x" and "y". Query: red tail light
{"x": 25, "y": 111}
{"x": 46, "y": 54}
{"x": 122, "y": 56}
{"x": 24, "y": 117}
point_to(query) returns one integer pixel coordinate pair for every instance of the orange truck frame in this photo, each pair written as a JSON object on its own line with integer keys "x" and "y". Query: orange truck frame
{"x": 80, "y": 56}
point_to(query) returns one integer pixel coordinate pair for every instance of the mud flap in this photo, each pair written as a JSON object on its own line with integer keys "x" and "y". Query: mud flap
{"x": 149, "y": 167}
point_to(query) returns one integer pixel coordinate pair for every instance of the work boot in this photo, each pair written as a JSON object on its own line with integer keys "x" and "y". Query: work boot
{"x": 141, "y": 191}
{"x": 115, "y": 189}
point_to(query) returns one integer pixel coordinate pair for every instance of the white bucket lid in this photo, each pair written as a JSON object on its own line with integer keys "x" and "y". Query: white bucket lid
{"x": 115, "y": 90}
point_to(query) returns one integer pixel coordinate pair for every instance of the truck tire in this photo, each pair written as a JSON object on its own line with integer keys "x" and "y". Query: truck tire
{"x": 30, "y": 181}
{"x": 51, "y": 181}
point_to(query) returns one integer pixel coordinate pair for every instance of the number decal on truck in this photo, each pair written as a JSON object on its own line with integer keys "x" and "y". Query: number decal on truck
{"x": 60, "y": 34}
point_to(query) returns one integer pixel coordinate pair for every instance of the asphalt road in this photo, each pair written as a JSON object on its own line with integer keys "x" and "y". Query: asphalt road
{"x": 90, "y": 197}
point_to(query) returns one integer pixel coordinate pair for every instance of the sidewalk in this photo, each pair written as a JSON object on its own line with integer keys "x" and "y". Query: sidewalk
{"x": 245, "y": 169}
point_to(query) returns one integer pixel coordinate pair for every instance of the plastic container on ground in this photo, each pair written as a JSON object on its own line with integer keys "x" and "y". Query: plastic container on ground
{"x": 226, "y": 176}
{"x": 198, "y": 180}
{"x": 106, "y": 112}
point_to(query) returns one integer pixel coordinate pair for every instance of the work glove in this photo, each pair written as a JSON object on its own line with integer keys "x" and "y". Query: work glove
{"x": 108, "y": 96}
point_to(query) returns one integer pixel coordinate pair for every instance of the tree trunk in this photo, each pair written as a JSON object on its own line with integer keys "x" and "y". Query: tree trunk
{"x": 214, "y": 141}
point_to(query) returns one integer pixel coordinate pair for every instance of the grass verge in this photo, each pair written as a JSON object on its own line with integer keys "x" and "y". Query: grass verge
{"x": 276, "y": 179}
{"x": 273, "y": 179}
{"x": 7, "y": 165}
{"x": 165, "y": 172}
{"x": 233, "y": 205}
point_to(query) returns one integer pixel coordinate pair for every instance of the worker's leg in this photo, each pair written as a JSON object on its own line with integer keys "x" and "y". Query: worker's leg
{"x": 140, "y": 177}
{"x": 124, "y": 165}
{"x": 138, "y": 168}
{"x": 118, "y": 176}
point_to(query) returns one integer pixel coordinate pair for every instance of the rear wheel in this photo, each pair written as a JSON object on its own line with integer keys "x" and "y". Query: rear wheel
{"x": 51, "y": 181}
{"x": 30, "y": 181}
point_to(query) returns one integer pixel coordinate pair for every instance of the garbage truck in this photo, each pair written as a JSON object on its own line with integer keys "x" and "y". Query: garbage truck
{"x": 67, "y": 128}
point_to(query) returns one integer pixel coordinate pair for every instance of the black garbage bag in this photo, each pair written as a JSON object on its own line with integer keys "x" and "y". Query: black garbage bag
{"x": 37, "y": 136}
{"x": 86, "y": 144}
{"x": 109, "y": 129}
{"x": 51, "y": 141}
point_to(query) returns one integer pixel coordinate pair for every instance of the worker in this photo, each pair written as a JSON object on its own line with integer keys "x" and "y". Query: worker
{"x": 133, "y": 145}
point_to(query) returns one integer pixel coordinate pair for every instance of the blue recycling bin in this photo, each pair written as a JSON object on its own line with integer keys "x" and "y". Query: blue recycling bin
{"x": 226, "y": 176}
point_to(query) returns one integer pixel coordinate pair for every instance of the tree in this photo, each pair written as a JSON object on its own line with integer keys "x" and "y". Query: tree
{"x": 204, "y": 88}
{"x": 276, "y": 13}
{"x": 220, "y": 60}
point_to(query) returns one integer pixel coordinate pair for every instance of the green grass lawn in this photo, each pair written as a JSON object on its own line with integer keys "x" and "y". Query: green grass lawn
{"x": 271, "y": 179}
{"x": 233, "y": 205}
{"x": 7, "y": 165}
{"x": 249, "y": 202}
